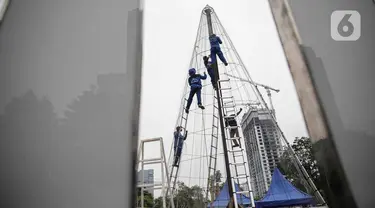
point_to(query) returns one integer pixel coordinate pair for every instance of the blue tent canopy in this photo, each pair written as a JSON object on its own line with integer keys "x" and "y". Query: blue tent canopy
{"x": 282, "y": 194}
{"x": 222, "y": 199}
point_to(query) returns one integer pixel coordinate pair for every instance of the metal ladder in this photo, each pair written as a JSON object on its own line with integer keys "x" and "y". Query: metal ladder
{"x": 164, "y": 171}
{"x": 213, "y": 151}
{"x": 175, "y": 170}
{"x": 237, "y": 161}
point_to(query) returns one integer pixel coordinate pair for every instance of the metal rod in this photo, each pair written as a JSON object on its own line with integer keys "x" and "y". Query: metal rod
{"x": 218, "y": 92}
{"x": 166, "y": 173}
{"x": 211, "y": 183}
{"x": 162, "y": 178}
{"x": 143, "y": 177}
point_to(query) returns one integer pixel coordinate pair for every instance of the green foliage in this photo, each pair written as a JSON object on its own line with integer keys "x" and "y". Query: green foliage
{"x": 256, "y": 198}
{"x": 215, "y": 183}
{"x": 185, "y": 197}
{"x": 148, "y": 199}
{"x": 221, "y": 185}
{"x": 303, "y": 149}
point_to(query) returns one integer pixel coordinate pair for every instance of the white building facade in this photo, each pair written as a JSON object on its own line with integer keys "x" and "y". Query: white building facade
{"x": 263, "y": 147}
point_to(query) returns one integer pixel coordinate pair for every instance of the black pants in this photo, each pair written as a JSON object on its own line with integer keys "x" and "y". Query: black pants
{"x": 177, "y": 154}
{"x": 193, "y": 91}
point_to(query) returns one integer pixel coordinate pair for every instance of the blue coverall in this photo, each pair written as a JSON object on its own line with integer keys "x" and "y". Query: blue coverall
{"x": 210, "y": 71}
{"x": 195, "y": 88}
{"x": 215, "y": 42}
{"x": 178, "y": 144}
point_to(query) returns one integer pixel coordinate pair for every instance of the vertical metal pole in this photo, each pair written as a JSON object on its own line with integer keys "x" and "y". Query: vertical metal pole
{"x": 218, "y": 94}
{"x": 143, "y": 177}
{"x": 136, "y": 170}
{"x": 211, "y": 189}
{"x": 162, "y": 177}
{"x": 166, "y": 173}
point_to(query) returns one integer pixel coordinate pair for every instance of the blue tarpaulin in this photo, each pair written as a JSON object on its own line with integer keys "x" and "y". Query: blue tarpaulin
{"x": 222, "y": 199}
{"x": 283, "y": 194}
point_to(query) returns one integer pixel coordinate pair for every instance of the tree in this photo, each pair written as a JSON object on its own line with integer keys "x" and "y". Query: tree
{"x": 148, "y": 199}
{"x": 257, "y": 198}
{"x": 303, "y": 149}
{"x": 215, "y": 184}
{"x": 185, "y": 197}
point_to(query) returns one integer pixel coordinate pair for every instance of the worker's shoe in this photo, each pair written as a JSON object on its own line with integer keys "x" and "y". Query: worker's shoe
{"x": 201, "y": 106}
{"x": 175, "y": 162}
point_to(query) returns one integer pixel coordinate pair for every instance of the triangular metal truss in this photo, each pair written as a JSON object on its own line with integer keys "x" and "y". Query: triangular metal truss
{"x": 210, "y": 143}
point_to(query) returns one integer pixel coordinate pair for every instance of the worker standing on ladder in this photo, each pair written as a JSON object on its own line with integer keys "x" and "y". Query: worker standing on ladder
{"x": 210, "y": 70}
{"x": 178, "y": 144}
{"x": 231, "y": 121}
{"x": 215, "y": 42}
{"x": 195, "y": 88}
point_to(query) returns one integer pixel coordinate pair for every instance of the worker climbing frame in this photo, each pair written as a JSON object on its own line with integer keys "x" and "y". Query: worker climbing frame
{"x": 175, "y": 167}
{"x": 181, "y": 122}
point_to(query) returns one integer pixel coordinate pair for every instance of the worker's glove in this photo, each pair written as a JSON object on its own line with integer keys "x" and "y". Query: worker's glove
{"x": 205, "y": 58}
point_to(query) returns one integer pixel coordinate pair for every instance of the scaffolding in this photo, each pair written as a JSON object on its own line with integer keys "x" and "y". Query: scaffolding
{"x": 142, "y": 162}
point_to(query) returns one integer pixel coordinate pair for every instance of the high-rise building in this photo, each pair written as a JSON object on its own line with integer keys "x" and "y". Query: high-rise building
{"x": 263, "y": 147}
{"x": 148, "y": 177}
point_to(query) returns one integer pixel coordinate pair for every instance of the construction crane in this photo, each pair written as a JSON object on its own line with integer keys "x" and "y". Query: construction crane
{"x": 248, "y": 103}
{"x": 267, "y": 88}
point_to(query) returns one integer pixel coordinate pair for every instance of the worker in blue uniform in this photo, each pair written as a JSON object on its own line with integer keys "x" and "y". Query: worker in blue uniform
{"x": 215, "y": 42}
{"x": 210, "y": 70}
{"x": 178, "y": 145}
{"x": 195, "y": 88}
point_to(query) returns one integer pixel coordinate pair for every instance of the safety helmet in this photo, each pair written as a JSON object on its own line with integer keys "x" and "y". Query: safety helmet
{"x": 192, "y": 71}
